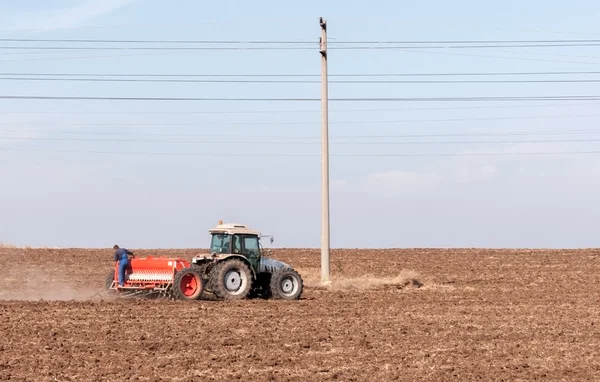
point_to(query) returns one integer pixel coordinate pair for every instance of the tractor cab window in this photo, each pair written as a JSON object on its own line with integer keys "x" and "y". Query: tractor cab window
{"x": 251, "y": 246}
{"x": 220, "y": 243}
{"x": 237, "y": 245}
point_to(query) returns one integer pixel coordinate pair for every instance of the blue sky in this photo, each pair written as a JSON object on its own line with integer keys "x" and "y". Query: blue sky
{"x": 87, "y": 199}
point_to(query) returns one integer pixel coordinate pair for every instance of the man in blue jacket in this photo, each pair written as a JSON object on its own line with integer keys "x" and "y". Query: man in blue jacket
{"x": 122, "y": 256}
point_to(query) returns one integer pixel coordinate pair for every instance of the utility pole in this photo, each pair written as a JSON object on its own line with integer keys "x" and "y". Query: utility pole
{"x": 324, "y": 156}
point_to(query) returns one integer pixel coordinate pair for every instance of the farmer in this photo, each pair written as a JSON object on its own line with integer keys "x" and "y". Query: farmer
{"x": 121, "y": 255}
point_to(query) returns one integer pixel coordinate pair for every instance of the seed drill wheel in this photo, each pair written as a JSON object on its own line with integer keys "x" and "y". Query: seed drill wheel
{"x": 231, "y": 280}
{"x": 188, "y": 284}
{"x": 286, "y": 284}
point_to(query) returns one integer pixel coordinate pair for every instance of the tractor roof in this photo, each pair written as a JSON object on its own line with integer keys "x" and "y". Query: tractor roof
{"x": 234, "y": 228}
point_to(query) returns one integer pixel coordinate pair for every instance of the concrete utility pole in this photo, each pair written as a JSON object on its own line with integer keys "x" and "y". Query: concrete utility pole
{"x": 324, "y": 157}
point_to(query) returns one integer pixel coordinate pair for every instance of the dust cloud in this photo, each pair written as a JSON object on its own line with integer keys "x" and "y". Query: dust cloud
{"x": 33, "y": 283}
{"x": 405, "y": 278}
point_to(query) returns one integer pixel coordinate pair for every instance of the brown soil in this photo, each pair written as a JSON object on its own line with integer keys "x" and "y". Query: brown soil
{"x": 426, "y": 315}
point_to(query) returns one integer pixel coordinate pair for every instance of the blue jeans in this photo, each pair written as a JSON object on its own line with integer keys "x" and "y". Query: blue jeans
{"x": 122, "y": 266}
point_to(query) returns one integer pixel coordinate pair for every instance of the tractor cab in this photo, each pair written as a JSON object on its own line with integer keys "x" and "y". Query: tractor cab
{"x": 236, "y": 239}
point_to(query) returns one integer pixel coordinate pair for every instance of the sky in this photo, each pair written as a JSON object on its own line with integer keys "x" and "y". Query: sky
{"x": 92, "y": 173}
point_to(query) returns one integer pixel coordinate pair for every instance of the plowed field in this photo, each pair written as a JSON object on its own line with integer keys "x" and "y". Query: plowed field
{"x": 412, "y": 315}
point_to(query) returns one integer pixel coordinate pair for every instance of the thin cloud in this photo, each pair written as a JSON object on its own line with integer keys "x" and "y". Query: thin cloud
{"x": 76, "y": 16}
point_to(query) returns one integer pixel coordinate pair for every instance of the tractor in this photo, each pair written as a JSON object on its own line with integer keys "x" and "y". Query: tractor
{"x": 234, "y": 269}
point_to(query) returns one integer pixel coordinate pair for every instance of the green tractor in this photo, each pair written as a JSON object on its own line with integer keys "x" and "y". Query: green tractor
{"x": 236, "y": 268}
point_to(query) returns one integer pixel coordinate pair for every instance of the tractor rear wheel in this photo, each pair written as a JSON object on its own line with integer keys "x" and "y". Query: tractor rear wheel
{"x": 286, "y": 284}
{"x": 188, "y": 284}
{"x": 231, "y": 280}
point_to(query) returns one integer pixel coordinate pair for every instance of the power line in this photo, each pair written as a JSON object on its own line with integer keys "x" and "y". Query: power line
{"x": 373, "y": 99}
{"x": 171, "y": 135}
{"x": 162, "y": 48}
{"x": 369, "y": 122}
{"x": 271, "y": 155}
{"x": 405, "y": 49}
{"x": 501, "y": 57}
{"x": 275, "y": 111}
{"x": 161, "y": 80}
{"x": 287, "y": 142}
{"x": 300, "y": 41}
{"x": 154, "y": 98}
{"x": 300, "y": 74}
{"x": 295, "y": 81}
{"x": 467, "y": 119}
{"x": 192, "y": 48}
{"x": 516, "y": 133}
{"x": 464, "y": 99}
{"x": 570, "y": 55}
{"x": 187, "y": 41}
{"x": 462, "y": 74}
{"x": 504, "y": 134}
{"x": 467, "y": 41}
{"x": 460, "y": 46}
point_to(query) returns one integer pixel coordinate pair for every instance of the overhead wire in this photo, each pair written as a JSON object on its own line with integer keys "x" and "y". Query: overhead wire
{"x": 359, "y": 45}
{"x": 301, "y": 123}
{"x": 159, "y": 48}
{"x": 554, "y": 54}
{"x": 291, "y": 138}
{"x": 184, "y": 48}
{"x": 276, "y": 111}
{"x": 146, "y": 80}
{"x": 61, "y": 74}
{"x": 30, "y": 59}
{"x": 348, "y": 99}
{"x": 272, "y": 155}
{"x": 288, "y": 142}
{"x": 551, "y": 98}
{"x": 112, "y": 41}
{"x": 500, "y": 57}
{"x": 563, "y": 41}
{"x": 162, "y": 41}
{"x": 458, "y": 46}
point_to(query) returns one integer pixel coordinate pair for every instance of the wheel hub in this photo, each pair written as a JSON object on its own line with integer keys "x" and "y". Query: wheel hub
{"x": 233, "y": 281}
{"x": 288, "y": 285}
{"x": 189, "y": 285}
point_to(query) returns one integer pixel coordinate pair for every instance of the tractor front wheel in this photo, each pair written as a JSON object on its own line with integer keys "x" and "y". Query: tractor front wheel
{"x": 286, "y": 284}
{"x": 231, "y": 280}
{"x": 188, "y": 284}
